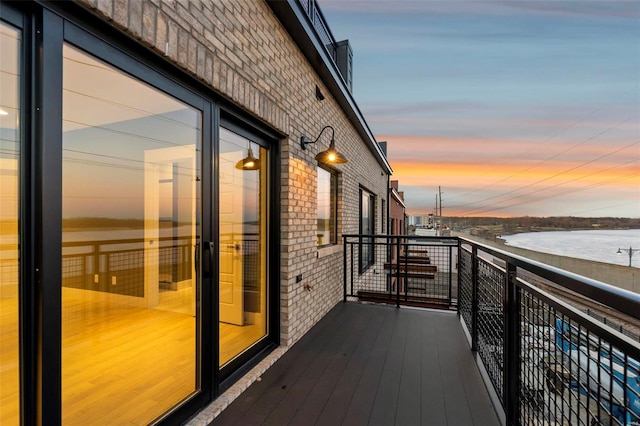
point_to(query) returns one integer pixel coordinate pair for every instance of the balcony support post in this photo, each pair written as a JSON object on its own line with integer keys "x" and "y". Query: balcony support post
{"x": 459, "y": 279}
{"x": 450, "y": 273}
{"x": 397, "y": 266}
{"x": 344, "y": 269}
{"x": 352, "y": 260}
{"x": 512, "y": 340}
{"x": 474, "y": 297}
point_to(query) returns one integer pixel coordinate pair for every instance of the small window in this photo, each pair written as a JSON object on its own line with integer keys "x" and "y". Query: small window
{"x": 367, "y": 227}
{"x": 327, "y": 207}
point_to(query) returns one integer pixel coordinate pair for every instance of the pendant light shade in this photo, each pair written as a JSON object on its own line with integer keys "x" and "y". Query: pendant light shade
{"x": 249, "y": 162}
{"x": 331, "y": 155}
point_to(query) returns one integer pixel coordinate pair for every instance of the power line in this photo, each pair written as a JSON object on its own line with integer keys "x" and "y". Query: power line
{"x": 602, "y": 208}
{"x": 122, "y": 106}
{"x": 120, "y": 132}
{"x": 569, "y": 191}
{"x": 544, "y": 143}
{"x": 545, "y": 179}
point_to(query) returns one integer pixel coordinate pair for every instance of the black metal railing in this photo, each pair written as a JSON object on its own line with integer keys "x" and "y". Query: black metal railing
{"x": 339, "y": 51}
{"x": 402, "y": 270}
{"x": 118, "y": 265}
{"x": 547, "y": 361}
{"x": 320, "y": 25}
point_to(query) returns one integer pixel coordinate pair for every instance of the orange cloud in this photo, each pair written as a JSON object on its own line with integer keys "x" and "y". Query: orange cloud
{"x": 481, "y": 175}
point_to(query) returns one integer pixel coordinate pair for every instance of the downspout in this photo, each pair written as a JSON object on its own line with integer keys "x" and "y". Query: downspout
{"x": 388, "y": 201}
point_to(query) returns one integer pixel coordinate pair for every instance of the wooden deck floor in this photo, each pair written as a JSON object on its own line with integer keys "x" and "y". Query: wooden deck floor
{"x": 371, "y": 365}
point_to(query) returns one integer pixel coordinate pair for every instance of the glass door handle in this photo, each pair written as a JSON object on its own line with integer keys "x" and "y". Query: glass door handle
{"x": 207, "y": 259}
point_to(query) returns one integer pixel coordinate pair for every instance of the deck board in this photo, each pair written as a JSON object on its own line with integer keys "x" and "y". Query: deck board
{"x": 432, "y": 397}
{"x": 362, "y": 399}
{"x": 342, "y": 395}
{"x": 409, "y": 408}
{"x": 371, "y": 365}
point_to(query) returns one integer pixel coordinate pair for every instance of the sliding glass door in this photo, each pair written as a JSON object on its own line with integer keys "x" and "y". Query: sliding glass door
{"x": 131, "y": 225}
{"x": 134, "y": 230}
{"x": 243, "y": 244}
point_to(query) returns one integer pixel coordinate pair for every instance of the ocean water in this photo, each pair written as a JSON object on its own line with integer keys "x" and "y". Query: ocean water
{"x": 598, "y": 245}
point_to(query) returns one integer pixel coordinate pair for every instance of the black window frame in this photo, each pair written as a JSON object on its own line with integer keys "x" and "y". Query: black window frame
{"x": 46, "y": 27}
{"x": 228, "y": 117}
{"x": 366, "y": 252}
{"x": 333, "y": 219}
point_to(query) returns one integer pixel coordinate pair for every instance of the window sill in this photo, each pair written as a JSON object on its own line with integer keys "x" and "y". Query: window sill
{"x": 328, "y": 250}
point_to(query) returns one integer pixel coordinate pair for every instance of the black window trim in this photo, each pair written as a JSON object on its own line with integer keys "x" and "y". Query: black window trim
{"x": 362, "y": 265}
{"x": 334, "y": 201}
{"x": 52, "y": 24}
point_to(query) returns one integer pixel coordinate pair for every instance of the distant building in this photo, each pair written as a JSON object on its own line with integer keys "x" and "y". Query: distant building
{"x": 416, "y": 220}
{"x": 397, "y": 209}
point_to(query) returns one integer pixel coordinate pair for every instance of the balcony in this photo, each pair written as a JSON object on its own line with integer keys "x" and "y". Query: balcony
{"x": 368, "y": 364}
{"x": 500, "y": 350}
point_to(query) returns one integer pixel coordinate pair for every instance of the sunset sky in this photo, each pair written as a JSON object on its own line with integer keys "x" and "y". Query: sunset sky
{"x": 511, "y": 107}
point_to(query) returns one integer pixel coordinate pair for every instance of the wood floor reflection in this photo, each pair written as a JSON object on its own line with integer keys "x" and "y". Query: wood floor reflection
{"x": 122, "y": 364}
{"x": 236, "y": 339}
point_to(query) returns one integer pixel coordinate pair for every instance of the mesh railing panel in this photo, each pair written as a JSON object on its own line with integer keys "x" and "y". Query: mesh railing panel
{"x": 566, "y": 370}
{"x": 465, "y": 291}
{"x": 118, "y": 266}
{"x": 369, "y": 270}
{"x": 320, "y": 25}
{"x": 491, "y": 321}
{"x": 402, "y": 270}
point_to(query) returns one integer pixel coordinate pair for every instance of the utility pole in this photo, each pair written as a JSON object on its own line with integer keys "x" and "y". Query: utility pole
{"x": 435, "y": 218}
{"x": 440, "y": 195}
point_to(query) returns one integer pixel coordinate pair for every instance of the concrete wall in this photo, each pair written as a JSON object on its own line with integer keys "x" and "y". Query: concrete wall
{"x": 240, "y": 50}
{"x": 615, "y": 275}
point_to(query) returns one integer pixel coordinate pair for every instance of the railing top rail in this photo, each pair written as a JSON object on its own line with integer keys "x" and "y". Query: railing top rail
{"x": 407, "y": 236}
{"x": 318, "y": 21}
{"x": 622, "y": 300}
{"x": 428, "y": 238}
{"x": 119, "y": 241}
{"x": 249, "y": 237}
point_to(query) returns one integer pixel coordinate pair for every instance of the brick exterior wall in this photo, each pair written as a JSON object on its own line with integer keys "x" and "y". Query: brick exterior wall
{"x": 396, "y": 210}
{"x": 240, "y": 49}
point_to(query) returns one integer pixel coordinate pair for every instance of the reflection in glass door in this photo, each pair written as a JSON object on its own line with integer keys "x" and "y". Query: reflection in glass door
{"x": 9, "y": 210}
{"x": 243, "y": 231}
{"x": 131, "y": 222}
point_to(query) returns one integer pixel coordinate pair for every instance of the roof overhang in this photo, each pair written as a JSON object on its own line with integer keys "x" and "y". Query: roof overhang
{"x": 296, "y": 22}
{"x": 396, "y": 196}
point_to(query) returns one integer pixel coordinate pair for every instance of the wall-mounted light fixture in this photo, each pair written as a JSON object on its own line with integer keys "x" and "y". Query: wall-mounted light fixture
{"x": 249, "y": 162}
{"x": 330, "y": 156}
